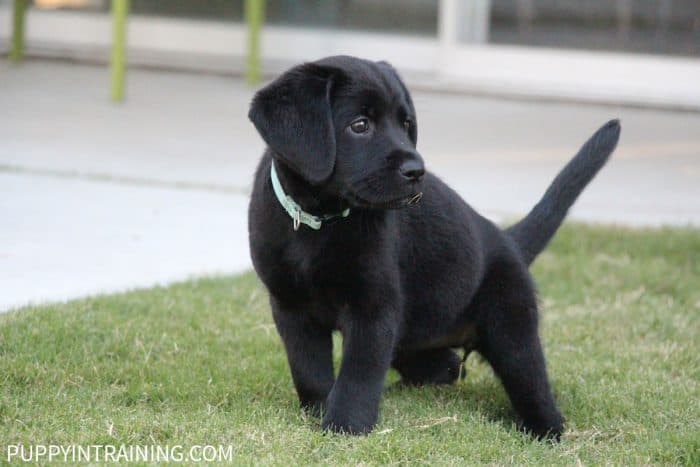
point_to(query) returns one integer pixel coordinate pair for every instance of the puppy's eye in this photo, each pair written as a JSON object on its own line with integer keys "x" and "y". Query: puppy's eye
{"x": 359, "y": 126}
{"x": 407, "y": 124}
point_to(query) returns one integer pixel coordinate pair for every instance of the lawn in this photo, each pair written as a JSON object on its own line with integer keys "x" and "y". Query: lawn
{"x": 200, "y": 362}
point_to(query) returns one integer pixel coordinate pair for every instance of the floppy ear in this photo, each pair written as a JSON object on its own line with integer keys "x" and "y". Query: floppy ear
{"x": 293, "y": 116}
{"x": 389, "y": 70}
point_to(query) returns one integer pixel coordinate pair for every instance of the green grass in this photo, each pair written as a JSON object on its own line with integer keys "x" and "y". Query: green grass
{"x": 200, "y": 363}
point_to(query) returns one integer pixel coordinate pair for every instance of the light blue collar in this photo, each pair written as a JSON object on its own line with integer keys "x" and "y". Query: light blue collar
{"x": 298, "y": 215}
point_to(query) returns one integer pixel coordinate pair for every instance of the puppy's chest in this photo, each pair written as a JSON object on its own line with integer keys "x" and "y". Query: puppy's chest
{"x": 326, "y": 272}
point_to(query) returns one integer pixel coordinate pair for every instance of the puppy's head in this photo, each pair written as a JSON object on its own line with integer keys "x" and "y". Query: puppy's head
{"x": 346, "y": 126}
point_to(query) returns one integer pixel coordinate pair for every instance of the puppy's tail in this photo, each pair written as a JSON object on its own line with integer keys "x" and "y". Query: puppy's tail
{"x": 533, "y": 232}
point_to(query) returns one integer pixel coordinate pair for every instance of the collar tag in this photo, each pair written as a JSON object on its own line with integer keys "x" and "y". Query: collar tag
{"x": 296, "y": 219}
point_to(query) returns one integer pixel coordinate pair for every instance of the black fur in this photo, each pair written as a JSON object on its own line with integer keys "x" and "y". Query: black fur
{"x": 534, "y": 232}
{"x": 404, "y": 284}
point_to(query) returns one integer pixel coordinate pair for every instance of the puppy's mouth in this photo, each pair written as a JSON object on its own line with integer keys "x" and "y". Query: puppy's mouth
{"x": 397, "y": 203}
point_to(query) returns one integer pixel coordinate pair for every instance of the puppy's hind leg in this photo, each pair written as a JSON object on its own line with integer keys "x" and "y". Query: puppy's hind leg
{"x": 433, "y": 366}
{"x": 309, "y": 349}
{"x": 508, "y": 339}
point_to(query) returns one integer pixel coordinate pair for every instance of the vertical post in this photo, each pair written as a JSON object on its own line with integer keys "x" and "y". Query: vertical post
{"x": 448, "y": 14}
{"x": 17, "y": 50}
{"x": 465, "y": 21}
{"x": 254, "y": 14}
{"x": 120, "y": 10}
{"x": 481, "y": 21}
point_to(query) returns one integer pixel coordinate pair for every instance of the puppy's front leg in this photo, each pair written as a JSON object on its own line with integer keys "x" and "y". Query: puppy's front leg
{"x": 353, "y": 404}
{"x": 309, "y": 349}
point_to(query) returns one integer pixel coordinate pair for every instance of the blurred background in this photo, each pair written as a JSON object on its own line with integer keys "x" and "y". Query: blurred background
{"x": 126, "y": 156}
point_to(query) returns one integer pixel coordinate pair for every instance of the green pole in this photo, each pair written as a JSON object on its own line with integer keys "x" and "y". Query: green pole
{"x": 254, "y": 15}
{"x": 17, "y": 50}
{"x": 120, "y": 10}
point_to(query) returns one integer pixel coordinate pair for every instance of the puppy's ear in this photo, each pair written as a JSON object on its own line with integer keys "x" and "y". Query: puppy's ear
{"x": 391, "y": 73}
{"x": 293, "y": 116}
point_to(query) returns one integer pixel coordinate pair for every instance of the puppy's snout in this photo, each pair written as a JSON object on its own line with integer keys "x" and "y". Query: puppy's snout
{"x": 412, "y": 169}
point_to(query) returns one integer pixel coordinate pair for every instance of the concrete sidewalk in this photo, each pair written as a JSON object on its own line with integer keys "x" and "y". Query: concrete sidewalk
{"x": 99, "y": 197}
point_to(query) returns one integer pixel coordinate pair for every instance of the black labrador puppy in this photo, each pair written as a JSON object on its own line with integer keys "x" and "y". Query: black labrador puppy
{"x": 349, "y": 232}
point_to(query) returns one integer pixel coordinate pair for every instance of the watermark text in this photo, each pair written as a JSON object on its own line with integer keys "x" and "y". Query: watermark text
{"x": 122, "y": 453}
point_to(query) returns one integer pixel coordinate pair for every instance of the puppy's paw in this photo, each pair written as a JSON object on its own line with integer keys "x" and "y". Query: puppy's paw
{"x": 430, "y": 368}
{"x": 314, "y": 408}
{"x": 550, "y": 430}
{"x": 346, "y": 424}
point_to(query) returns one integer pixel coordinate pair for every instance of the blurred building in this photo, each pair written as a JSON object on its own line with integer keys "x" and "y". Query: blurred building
{"x": 630, "y": 51}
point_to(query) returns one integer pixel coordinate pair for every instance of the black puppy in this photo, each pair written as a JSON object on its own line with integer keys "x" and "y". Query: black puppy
{"x": 335, "y": 241}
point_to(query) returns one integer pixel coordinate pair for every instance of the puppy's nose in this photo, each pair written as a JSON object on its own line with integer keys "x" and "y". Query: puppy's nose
{"x": 412, "y": 169}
